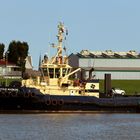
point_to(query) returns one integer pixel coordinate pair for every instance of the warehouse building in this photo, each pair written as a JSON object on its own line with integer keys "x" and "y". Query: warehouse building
{"x": 121, "y": 65}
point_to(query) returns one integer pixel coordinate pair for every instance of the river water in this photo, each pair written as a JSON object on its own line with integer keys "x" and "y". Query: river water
{"x": 69, "y": 126}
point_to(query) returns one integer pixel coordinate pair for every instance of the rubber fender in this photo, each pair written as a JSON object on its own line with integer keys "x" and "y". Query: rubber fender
{"x": 7, "y": 94}
{"x": 32, "y": 94}
{"x": 2, "y": 93}
{"x": 13, "y": 94}
{"x": 26, "y": 95}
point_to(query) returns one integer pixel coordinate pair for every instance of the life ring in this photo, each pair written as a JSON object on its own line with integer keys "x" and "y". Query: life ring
{"x": 60, "y": 102}
{"x": 54, "y": 102}
{"x": 48, "y": 102}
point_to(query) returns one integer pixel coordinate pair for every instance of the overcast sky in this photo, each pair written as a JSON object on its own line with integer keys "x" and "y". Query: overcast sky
{"x": 92, "y": 24}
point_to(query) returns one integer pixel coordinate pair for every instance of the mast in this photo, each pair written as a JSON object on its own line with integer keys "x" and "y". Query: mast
{"x": 61, "y": 31}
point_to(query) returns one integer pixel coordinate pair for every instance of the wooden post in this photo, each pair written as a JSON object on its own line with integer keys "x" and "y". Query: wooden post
{"x": 107, "y": 84}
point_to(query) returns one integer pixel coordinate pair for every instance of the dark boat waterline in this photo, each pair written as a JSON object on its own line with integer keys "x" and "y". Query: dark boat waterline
{"x": 62, "y": 112}
{"x": 39, "y": 103}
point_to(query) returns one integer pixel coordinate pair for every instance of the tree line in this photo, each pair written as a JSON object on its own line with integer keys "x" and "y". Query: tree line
{"x": 16, "y": 53}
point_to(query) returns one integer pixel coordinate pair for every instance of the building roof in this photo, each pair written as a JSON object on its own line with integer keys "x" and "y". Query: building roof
{"x": 28, "y": 63}
{"x": 33, "y": 72}
{"x": 3, "y": 63}
{"x": 108, "y": 54}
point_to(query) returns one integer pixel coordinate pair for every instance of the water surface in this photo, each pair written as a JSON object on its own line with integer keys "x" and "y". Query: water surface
{"x": 69, "y": 126}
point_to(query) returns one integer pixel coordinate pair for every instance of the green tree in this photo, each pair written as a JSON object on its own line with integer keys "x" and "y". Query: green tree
{"x": 17, "y": 52}
{"x": 2, "y": 47}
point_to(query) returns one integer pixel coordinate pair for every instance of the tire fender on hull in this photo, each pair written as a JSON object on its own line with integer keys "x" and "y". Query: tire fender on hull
{"x": 13, "y": 94}
{"x": 48, "y": 102}
{"x": 60, "y": 102}
{"x": 26, "y": 95}
{"x": 54, "y": 102}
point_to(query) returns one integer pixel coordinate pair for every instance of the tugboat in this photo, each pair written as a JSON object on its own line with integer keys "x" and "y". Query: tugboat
{"x": 55, "y": 73}
{"x": 55, "y": 91}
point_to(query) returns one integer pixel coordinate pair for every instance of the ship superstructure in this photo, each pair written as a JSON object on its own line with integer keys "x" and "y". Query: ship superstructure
{"x": 56, "y": 72}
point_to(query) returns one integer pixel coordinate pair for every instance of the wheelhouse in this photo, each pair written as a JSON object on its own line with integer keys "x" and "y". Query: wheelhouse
{"x": 53, "y": 71}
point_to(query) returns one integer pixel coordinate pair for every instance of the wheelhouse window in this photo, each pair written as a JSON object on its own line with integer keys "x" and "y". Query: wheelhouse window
{"x": 51, "y": 72}
{"x": 45, "y": 71}
{"x": 57, "y": 72}
{"x": 68, "y": 70}
{"x": 64, "y": 70}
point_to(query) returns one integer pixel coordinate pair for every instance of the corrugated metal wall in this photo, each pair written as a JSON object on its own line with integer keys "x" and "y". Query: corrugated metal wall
{"x": 76, "y": 61}
{"x": 88, "y": 62}
{"x": 115, "y": 63}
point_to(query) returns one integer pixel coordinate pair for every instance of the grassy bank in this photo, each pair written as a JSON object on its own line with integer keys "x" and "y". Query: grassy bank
{"x": 130, "y": 86}
{"x": 7, "y": 81}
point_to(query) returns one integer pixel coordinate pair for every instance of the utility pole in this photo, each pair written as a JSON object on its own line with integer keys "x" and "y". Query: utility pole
{"x": 6, "y": 60}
